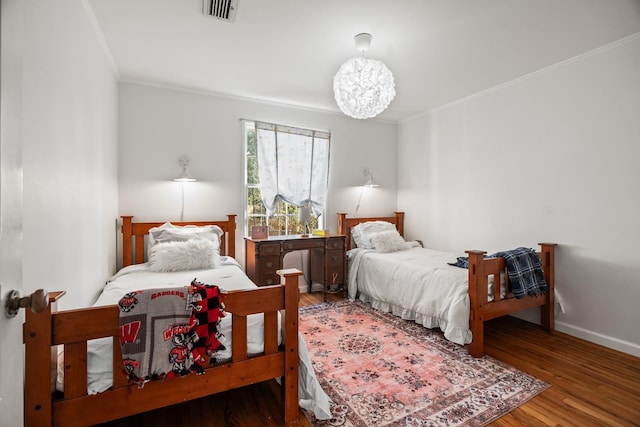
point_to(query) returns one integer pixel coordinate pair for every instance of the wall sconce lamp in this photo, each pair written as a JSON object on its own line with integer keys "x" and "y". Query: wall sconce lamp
{"x": 369, "y": 178}
{"x": 185, "y": 176}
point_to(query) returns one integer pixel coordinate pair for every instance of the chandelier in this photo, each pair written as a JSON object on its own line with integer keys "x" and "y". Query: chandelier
{"x": 362, "y": 87}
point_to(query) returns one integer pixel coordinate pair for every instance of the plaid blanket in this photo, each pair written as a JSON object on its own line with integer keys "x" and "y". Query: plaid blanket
{"x": 206, "y": 310}
{"x": 166, "y": 332}
{"x": 523, "y": 268}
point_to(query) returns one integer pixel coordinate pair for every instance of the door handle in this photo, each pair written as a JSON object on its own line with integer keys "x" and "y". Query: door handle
{"x": 37, "y": 301}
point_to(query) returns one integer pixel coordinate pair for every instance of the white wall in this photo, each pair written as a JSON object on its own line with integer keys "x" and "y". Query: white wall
{"x": 159, "y": 125}
{"x": 69, "y": 153}
{"x": 550, "y": 157}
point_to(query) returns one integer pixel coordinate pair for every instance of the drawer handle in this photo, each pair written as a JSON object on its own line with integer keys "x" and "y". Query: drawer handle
{"x": 269, "y": 264}
{"x": 270, "y": 282}
{"x": 269, "y": 250}
{"x": 334, "y": 258}
{"x": 319, "y": 244}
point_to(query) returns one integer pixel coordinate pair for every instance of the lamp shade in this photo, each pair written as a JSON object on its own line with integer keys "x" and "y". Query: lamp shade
{"x": 185, "y": 176}
{"x": 363, "y": 87}
{"x": 369, "y": 178}
{"x": 304, "y": 214}
{"x": 370, "y": 183}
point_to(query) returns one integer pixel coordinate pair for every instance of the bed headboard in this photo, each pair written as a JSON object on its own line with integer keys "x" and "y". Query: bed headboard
{"x": 133, "y": 237}
{"x": 345, "y": 224}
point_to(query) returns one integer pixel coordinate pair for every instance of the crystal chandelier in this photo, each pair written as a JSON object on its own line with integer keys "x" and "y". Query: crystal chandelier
{"x": 362, "y": 87}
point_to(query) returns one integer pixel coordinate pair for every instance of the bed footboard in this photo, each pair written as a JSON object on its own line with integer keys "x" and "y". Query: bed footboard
{"x": 43, "y": 332}
{"x": 503, "y": 302}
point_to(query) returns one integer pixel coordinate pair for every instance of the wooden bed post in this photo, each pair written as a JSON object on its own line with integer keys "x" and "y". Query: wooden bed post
{"x": 289, "y": 277}
{"x": 547, "y": 311}
{"x": 231, "y": 243}
{"x": 127, "y": 232}
{"x": 476, "y": 320}
{"x": 342, "y": 229}
{"x": 400, "y": 222}
{"x": 39, "y": 358}
{"x": 342, "y": 217}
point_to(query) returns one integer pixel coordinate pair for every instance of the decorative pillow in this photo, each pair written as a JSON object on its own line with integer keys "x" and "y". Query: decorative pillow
{"x": 362, "y": 232}
{"x": 168, "y": 232}
{"x": 389, "y": 241}
{"x": 180, "y": 256}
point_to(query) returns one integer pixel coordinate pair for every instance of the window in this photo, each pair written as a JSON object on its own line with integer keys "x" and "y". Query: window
{"x": 295, "y": 164}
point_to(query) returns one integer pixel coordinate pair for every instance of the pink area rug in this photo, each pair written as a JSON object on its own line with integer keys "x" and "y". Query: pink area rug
{"x": 380, "y": 370}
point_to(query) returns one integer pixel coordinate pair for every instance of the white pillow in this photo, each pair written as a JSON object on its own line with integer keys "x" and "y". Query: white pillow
{"x": 180, "y": 256}
{"x": 362, "y": 232}
{"x": 168, "y": 232}
{"x": 389, "y": 241}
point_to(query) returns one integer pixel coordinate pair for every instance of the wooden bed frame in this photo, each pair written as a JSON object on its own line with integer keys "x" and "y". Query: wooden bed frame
{"x": 480, "y": 268}
{"x": 72, "y": 328}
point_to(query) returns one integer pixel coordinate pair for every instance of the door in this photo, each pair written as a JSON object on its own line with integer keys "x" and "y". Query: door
{"x": 11, "y": 348}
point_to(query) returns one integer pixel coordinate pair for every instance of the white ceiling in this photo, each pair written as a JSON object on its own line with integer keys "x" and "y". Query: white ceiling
{"x": 287, "y": 51}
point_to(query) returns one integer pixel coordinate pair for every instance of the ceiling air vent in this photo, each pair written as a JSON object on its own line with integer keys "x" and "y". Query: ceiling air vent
{"x": 221, "y": 9}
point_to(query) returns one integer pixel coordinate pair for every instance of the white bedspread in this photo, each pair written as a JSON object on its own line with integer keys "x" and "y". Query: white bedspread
{"x": 229, "y": 276}
{"x": 415, "y": 284}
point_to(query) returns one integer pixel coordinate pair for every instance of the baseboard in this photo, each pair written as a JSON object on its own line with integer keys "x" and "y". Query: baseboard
{"x": 533, "y": 316}
{"x": 594, "y": 337}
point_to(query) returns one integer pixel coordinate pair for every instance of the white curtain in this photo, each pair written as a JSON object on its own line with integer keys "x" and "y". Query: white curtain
{"x": 293, "y": 166}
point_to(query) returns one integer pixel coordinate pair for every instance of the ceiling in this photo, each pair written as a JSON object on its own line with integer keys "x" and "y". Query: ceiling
{"x": 287, "y": 51}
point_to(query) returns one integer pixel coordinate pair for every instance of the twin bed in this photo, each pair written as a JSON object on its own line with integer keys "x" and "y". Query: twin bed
{"x": 418, "y": 284}
{"x": 81, "y": 348}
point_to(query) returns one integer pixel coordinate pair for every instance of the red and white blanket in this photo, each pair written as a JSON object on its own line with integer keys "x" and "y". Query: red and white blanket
{"x": 166, "y": 332}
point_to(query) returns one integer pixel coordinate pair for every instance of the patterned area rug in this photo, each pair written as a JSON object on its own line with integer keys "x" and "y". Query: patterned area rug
{"x": 380, "y": 370}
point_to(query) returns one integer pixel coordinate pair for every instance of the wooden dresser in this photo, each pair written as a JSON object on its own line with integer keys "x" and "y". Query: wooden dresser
{"x": 327, "y": 259}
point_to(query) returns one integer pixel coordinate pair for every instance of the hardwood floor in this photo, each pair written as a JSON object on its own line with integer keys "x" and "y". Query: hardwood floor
{"x": 590, "y": 385}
